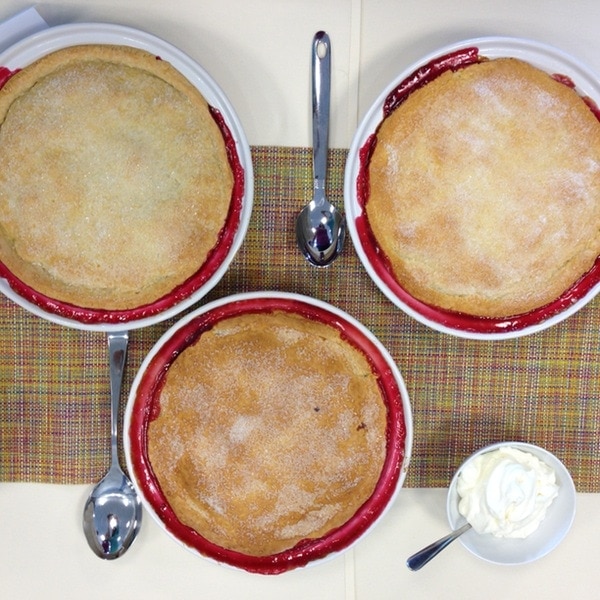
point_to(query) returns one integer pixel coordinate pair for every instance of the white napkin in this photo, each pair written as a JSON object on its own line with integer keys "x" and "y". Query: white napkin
{"x": 20, "y": 26}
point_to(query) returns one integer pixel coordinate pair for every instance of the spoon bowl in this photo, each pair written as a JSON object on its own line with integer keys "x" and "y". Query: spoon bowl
{"x": 113, "y": 512}
{"x": 320, "y": 228}
{"x": 112, "y": 515}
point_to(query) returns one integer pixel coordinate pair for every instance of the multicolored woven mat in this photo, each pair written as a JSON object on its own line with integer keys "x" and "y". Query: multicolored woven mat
{"x": 544, "y": 388}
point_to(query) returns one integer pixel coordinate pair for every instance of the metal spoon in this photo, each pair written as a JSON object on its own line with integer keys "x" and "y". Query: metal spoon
{"x": 320, "y": 228}
{"x": 113, "y": 513}
{"x": 421, "y": 558}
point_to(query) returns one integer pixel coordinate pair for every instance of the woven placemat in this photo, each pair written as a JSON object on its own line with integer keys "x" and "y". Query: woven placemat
{"x": 543, "y": 388}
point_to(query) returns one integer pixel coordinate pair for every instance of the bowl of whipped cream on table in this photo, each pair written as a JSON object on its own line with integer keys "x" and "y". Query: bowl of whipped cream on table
{"x": 518, "y": 498}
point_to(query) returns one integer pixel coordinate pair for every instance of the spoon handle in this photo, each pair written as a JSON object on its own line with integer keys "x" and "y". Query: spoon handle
{"x": 421, "y": 558}
{"x": 321, "y": 87}
{"x": 117, "y": 354}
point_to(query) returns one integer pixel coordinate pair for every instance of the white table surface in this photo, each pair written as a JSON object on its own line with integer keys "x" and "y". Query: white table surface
{"x": 259, "y": 53}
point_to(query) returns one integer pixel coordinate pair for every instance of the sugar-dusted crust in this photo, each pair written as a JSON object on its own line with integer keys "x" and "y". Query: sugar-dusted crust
{"x": 272, "y": 429}
{"x": 115, "y": 181}
{"x": 485, "y": 189}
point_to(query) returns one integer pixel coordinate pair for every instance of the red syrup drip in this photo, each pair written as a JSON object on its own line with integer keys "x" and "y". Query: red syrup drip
{"x": 380, "y": 262}
{"x": 565, "y": 80}
{"x": 212, "y": 263}
{"x": 428, "y": 72}
{"x": 146, "y": 408}
{"x": 6, "y": 74}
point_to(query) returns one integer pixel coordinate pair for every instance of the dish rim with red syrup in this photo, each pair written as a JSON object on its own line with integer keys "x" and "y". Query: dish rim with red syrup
{"x": 235, "y": 227}
{"x": 146, "y": 387}
{"x": 566, "y": 69}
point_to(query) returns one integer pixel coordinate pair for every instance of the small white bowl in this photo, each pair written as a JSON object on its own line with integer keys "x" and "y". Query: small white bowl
{"x": 552, "y": 530}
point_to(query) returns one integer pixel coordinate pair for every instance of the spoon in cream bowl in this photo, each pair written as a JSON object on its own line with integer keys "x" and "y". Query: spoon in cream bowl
{"x": 320, "y": 228}
{"x": 113, "y": 512}
{"x": 422, "y": 557}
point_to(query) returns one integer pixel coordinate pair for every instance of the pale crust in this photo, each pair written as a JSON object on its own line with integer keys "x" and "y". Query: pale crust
{"x": 272, "y": 430}
{"x": 115, "y": 182}
{"x": 485, "y": 189}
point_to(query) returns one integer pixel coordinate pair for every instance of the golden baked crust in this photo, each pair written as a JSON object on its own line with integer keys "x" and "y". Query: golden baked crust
{"x": 485, "y": 189}
{"x": 271, "y": 430}
{"x": 115, "y": 180}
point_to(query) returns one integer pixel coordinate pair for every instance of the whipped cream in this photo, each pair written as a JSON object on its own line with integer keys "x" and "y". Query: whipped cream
{"x": 506, "y": 492}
